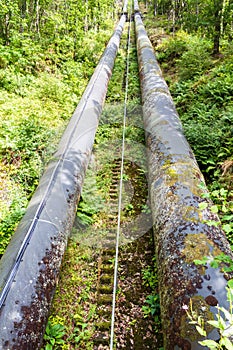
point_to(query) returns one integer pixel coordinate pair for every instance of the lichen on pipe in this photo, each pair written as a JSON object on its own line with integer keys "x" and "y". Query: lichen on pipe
{"x": 183, "y": 231}
{"x": 29, "y": 267}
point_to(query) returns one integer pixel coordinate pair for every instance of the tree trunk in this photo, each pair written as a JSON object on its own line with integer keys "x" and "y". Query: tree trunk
{"x": 86, "y": 17}
{"x": 173, "y": 16}
{"x": 37, "y": 23}
{"x": 218, "y": 7}
{"x": 155, "y": 7}
{"x": 23, "y": 11}
{"x": 7, "y": 31}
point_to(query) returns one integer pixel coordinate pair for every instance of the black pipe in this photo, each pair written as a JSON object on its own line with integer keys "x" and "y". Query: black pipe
{"x": 183, "y": 231}
{"x": 29, "y": 267}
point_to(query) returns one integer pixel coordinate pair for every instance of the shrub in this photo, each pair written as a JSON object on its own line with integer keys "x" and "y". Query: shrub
{"x": 196, "y": 59}
{"x": 15, "y": 82}
{"x": 206, "y": 110}
{"x": 172, "y": 48}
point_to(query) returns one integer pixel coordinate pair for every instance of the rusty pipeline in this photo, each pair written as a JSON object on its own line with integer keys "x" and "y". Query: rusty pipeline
{"x": 30, "y": 266}
{"x": 183, "y": 231}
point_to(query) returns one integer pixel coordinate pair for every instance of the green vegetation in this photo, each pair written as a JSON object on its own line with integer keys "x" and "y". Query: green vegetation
{"x": 223, "y": 323}
{"x": 151, "y": 305}
{"x": 47, "y": 55}
{"x": 53, "y": 335}
{"x": 209, "y": 18}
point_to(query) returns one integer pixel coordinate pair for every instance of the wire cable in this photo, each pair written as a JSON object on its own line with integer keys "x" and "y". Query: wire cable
{"x": 120, "y": 188}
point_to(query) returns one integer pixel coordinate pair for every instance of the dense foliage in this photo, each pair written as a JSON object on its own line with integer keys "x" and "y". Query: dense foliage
{"x": 211, "y": 18}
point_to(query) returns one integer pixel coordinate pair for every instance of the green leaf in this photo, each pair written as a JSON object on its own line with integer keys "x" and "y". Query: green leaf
{"x": 227, "y": 343}
{"x": 214, "y": 264}
{"x": 213, "y": 223}
{"x": 228, "y": 269}
{"x": 60, "y": 335}
{"x": 228, "y": 217}
{"x": 205, "y": 195}
{"x": 201, "y": 331}
{"x": 224, "y": 209}
{"x": 201, "y": 262}
{"x": 210, "y": 343}
{"x": 227, "y": 228}
{"x": 223, "y": 192}
{"x": 215, "y": 324}
{"x": 77, "y": 339}
{"x": 203, "y": 205}
{"x": 222, "y": 323}
{"x": 47, "y": 330}
{"x": 214, "y": 209}
{"x": 78, "y": 317}
{"x": 48, "y": 347}
{"x": 230, "y": 283}
{"x": 227, "y": 314}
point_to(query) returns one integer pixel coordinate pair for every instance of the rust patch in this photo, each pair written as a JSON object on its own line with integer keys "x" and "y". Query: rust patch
{"x": 34, "y": 316}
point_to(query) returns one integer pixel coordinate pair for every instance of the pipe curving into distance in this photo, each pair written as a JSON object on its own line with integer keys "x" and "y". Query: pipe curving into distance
{"x": 183, "y": 231}
{"x": 30, "y": 266}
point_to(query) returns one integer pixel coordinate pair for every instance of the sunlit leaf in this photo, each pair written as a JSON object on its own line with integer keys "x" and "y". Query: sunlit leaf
{"x": 227, "y": 343}
{"x": 227, "y": 228}
{"x": 210, "y": 343}
{"x": 230, "y": 283}
{"x": 201, "y": 331}
{"x": 214, "y": 323}
{"x": 203, "y": 205}
{"x": 214, "y": 209}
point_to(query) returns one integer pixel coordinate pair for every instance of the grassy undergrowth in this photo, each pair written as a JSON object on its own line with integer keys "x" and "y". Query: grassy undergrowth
{"x": 36, "y": 103}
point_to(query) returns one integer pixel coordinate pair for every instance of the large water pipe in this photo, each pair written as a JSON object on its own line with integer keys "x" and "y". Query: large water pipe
{"x": 183, "y": 231}
{"x": 29, "y": 268}
{"x": 125, "y": 7}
